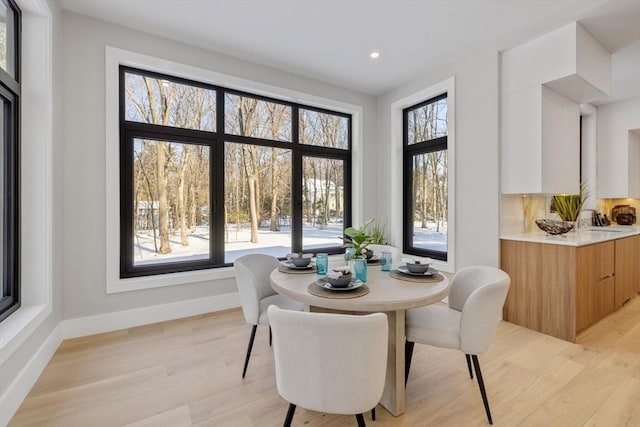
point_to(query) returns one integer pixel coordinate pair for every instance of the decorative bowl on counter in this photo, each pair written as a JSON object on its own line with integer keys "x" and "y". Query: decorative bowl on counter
{"x": 553, "y": 227}
{"x": 623, "y": 214}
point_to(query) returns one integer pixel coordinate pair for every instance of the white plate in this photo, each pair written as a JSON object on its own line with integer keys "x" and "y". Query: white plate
{"x": 295, "y": 267}
{"x": 429, "y": 273}
{"x": 373, "y": 259}
{"x": 355, "y": 284}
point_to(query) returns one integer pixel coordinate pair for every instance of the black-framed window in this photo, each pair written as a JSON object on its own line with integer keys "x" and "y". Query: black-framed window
{"x": 208, "y": 174}
{"x": 10, "y": 24}
{"x": 425, "y": 207}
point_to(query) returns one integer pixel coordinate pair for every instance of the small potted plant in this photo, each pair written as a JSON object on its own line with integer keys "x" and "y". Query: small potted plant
{"x": 568, "y": 207}
{"x": 359, "y": 239}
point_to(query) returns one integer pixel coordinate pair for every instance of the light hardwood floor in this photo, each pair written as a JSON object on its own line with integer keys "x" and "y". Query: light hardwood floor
{"x": 188, "y": 373}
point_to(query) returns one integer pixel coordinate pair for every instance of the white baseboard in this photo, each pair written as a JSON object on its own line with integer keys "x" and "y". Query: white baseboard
{"x": 90, "y": 325}
{"x": 72, "y": 328}
{"x": 12, "y": 398}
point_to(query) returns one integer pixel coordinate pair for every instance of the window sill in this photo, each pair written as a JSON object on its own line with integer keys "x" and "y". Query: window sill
{"x": 443, "y": 266}
{"x": 15, "y": 329}
{"x": 157, "y": 281}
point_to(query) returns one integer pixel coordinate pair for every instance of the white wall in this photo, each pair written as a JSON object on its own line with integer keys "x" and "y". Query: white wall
{"x": 84, "y": 147}
{"x": 615, "y": 120}
{"x": 476, "y": 151}
{"x": 21, "y": 364}
{"x": 589, "y": 152}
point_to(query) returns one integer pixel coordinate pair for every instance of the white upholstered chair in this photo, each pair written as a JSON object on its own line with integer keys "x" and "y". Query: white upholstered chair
{"x": 332, "y": 363}
{"x": 256, "y": 293}
{"x": 476, "y": 297}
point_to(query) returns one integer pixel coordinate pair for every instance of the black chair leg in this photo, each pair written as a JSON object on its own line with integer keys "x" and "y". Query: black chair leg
{"x": 246, "y": 360}
{"x": 476, "y": 366}
{"x": 290, "y": 412}
{"x": 360, "y": 419}
{"x": 373, "y": 414}
{"x": 469, "y": 365}
{"x": 408, "y": 355}
{"x": 270, "y": 337}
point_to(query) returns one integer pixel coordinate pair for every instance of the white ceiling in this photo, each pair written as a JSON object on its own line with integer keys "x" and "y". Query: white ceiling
{"x": 331, "y": 40}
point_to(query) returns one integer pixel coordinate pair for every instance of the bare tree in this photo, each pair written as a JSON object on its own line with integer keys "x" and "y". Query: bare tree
{"x": 276, "y": 118}
{"x": 245, "y": 114}
{"x": 161, "y": 115}
{"x": 182, "y": 206}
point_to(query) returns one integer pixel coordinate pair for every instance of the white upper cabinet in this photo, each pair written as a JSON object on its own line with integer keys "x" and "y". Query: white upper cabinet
{"x": 543, "y": 153}
{"x": 567, "y": 60}
{"x": 543, "y": 83}
{"x": 618, "y": 167}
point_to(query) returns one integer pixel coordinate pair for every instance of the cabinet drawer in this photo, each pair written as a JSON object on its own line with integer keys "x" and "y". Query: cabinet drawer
{"x": 605, "y": 268}
{"x": 596, "y": 300}
{"x": 604, "y": 250}
{"x": 596, "y": 262}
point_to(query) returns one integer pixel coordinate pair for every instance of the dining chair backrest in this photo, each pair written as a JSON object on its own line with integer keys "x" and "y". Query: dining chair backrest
{"x": 334, "y": 363}
{"x": 478, "y": 292}
{"x": 252, "y": 277}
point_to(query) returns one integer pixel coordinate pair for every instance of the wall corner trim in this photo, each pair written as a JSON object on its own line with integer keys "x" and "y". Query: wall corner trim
{"x": 13, "y": 396}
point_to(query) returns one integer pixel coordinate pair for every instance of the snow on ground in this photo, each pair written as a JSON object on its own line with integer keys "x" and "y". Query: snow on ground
{"x": 276, "y": 243}
{"x": 429, "y": 238}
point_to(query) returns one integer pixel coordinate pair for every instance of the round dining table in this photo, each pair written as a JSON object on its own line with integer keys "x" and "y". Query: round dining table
{"x": 387, "y": 294}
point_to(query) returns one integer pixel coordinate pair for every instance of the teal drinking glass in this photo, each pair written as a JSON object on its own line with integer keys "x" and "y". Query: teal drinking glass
{"x": 322, "y": 264}
{"x": 349, "y": 254}
{"x": 361, "y": 269}
{"x": 386, "y": 259}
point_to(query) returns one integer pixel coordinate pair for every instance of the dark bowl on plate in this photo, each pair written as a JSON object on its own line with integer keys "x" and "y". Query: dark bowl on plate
{"x": 300, "y": 262}
{"x": 368, "y": 253}
{"x": 418, "y": 268}
{"x": 340, "y": 282}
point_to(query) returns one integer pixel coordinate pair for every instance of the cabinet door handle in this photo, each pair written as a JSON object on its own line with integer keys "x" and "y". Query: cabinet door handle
{"x": 606, "y": 277}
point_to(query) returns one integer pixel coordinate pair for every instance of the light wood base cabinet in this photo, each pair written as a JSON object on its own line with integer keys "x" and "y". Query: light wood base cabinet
{"x": 627, "y": 269}
{"x": 595, "y": 283}
{"x": 558, "y": 289}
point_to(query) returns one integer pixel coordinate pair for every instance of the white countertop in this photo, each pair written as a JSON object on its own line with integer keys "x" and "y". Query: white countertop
{"x": 581, "y": 237}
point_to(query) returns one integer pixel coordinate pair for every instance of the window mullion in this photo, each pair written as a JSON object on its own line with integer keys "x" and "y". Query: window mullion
{"x": 296, "y": 183}
{"x": 126, "y": 197}
{"x": 217, "y": 186}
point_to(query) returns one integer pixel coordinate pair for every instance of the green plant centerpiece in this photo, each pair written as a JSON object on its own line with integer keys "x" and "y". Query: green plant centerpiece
{"x": 359, "y": 238}
{"x": 378, "y": 233}
{"x": 568, "y": 207}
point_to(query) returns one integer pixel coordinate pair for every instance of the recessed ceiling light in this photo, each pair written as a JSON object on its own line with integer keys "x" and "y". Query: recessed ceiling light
{"x": 375, "y": 55}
